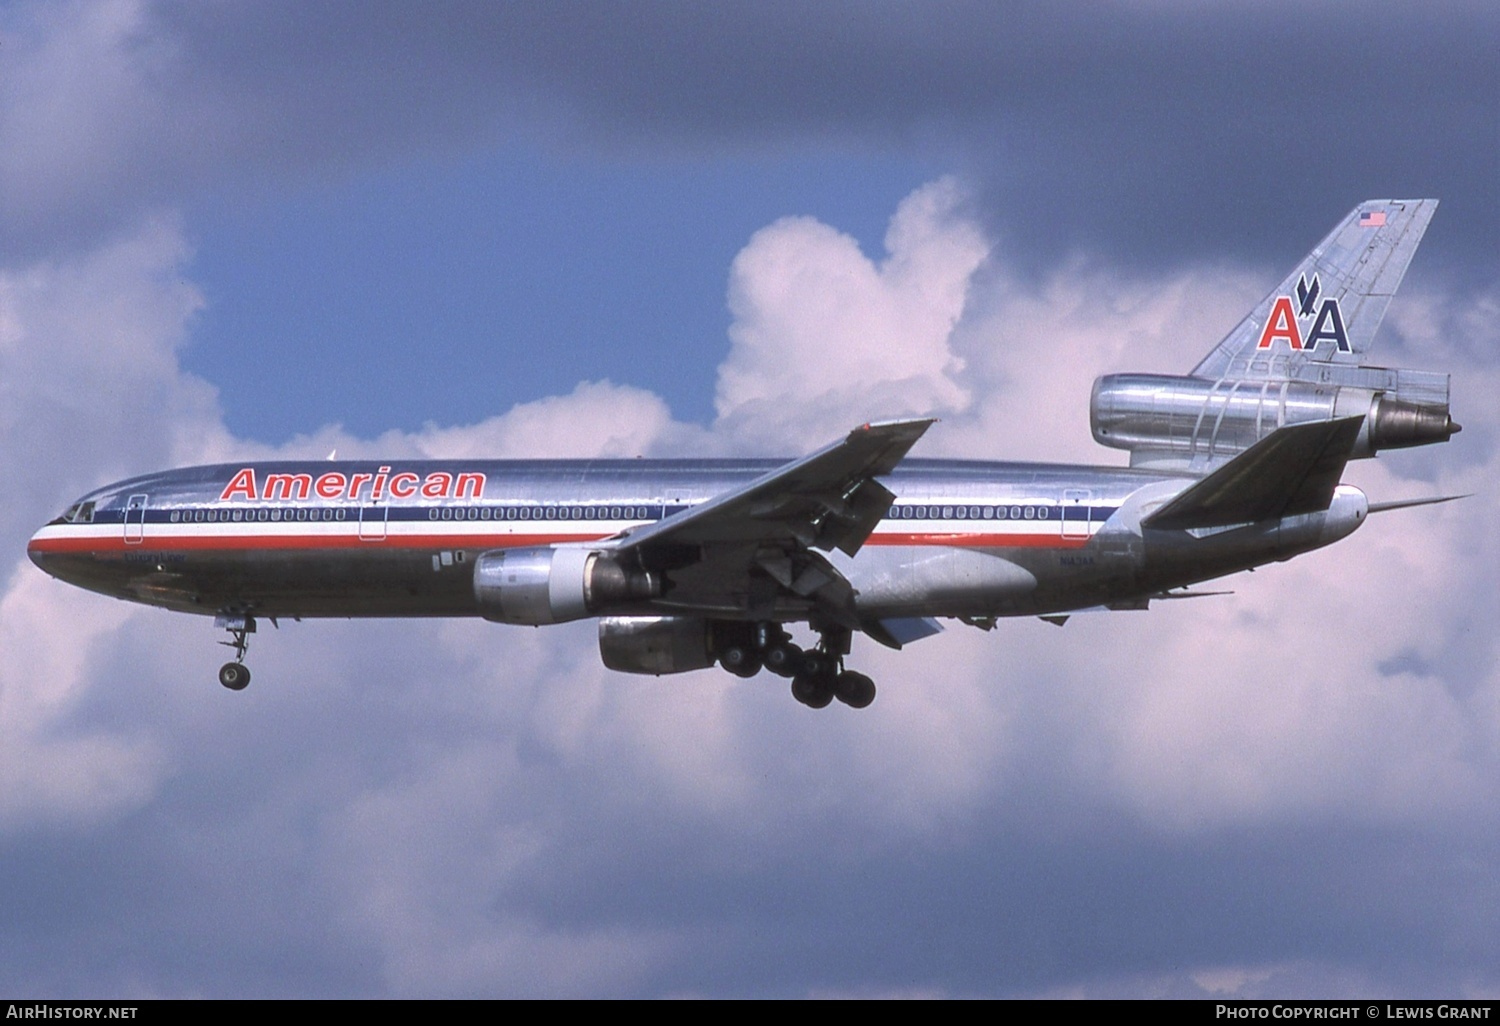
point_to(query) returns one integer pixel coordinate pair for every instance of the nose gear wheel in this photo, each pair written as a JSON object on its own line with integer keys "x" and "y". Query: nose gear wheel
{"x": 236, "y": 675}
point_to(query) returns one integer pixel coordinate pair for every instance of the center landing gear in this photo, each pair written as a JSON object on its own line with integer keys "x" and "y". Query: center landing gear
{"x": 236, "y": 675}
{"x": 821, "y": 682}
{"x": 818, "y": 675}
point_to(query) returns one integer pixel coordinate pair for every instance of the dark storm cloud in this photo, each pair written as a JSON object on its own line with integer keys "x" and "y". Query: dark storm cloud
{"x": 1136, "y": 127}
{"x": 1129, "y": 127}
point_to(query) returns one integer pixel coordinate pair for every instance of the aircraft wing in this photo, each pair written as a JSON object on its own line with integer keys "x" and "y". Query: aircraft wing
{"x": 753, "y": 544}
{"x": 828, "y": 500}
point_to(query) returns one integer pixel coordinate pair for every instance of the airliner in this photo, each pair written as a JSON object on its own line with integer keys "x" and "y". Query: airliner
{"x": 689, "y": 563}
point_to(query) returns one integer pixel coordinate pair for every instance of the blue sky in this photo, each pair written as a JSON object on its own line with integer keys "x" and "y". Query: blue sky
{"x": 235, "y": 231}
{"x": 456, "y": 277}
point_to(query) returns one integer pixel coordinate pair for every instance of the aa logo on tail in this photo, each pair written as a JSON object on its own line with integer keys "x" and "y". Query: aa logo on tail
{"x": 1286, "y": 320}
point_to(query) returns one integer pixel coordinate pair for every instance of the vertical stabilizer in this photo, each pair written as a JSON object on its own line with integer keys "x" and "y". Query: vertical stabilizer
{"x": 1299, "y": 357}
{"x": 1328, "y": 309}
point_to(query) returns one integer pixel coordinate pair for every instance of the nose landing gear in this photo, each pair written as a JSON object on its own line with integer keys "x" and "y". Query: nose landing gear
{"x": 236, "y": 675}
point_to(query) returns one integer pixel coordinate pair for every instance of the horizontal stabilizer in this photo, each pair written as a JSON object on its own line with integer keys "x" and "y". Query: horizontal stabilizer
{"x": 1291, "y": 471}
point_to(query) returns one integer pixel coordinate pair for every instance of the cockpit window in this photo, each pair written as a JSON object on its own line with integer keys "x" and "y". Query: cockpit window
{"x": 78, "y": 513}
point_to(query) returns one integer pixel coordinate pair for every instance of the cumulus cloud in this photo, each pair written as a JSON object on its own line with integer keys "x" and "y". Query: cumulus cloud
{"x": 90, "y": 391}
{"x": 823, "y": 337}
{"x": 1033, "y": 345}
{"x": 53, "y": 767}
{"x": 88, "y": 349}
{"x": 596, "y": 419}
{"x": 474, "y": 809}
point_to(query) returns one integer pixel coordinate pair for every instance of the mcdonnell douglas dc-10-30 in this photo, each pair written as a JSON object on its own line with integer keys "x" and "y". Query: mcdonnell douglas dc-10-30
{"x": 691, "y": 562}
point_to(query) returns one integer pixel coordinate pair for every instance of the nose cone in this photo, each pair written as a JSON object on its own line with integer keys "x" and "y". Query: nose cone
{"x": 40, "y": 552}
{"x": 72, "y": 553}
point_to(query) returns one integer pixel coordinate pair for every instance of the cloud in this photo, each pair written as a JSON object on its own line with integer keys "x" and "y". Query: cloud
{"x": 88, "y": 349}
{"x": 90, "y": 391}
{"x": 825, "y": 338}
{"x": 1143, "y": 131}
{"x": 457, "y": 808}
{"x": 596, "y": 419}
{"x": 54, "y": 768}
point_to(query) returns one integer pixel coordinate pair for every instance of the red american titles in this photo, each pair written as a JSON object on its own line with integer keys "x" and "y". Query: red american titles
{"x": 382, "y": 484}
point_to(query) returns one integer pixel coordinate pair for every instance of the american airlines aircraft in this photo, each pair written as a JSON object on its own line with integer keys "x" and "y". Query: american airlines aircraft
{"x": 688, "y": 563}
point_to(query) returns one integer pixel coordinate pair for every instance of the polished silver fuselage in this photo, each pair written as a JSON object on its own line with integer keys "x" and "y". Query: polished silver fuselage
{"x": 962, "y": 539}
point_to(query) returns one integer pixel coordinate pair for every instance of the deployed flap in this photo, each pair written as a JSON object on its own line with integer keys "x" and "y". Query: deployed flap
{"x": 894, "y": 632}
{"x": 827, "y": 500}
{"x": 1291, "y": 471}
{"x": 1327, "y": 309}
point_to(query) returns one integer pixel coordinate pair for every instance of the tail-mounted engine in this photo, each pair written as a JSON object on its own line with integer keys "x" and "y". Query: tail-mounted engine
{"x": 556, "y": 584}
{"x": 1166, "y": 419}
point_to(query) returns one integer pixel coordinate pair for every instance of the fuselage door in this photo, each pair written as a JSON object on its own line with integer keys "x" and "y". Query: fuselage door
{"x": 372, "y": 522}
{"x": 1075, "y": 513}
{"x": 135, "y": 519}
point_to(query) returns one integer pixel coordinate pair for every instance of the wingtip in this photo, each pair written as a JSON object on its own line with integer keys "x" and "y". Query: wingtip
{"x": 919, "y": 423}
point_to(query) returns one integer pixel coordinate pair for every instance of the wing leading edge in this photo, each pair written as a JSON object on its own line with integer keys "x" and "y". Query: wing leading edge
{"x": 752, "y": 548}
{"x": 827, "y": 500}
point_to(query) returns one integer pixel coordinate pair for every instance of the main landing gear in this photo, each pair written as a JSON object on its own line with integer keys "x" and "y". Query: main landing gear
{"x": 236, "y": 675}
{"x": 817, "y": 674}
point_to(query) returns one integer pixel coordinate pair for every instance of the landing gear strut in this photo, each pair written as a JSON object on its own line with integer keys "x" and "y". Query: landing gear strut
{"x": 236, "y": 675}
{"x": 817, "y": 674}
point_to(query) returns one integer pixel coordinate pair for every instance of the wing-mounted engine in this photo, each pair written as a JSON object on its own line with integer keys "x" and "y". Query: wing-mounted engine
{"x": 656, "y": 644}
{"x": 555, "y": 584}
{"x": 1185, "y": 421}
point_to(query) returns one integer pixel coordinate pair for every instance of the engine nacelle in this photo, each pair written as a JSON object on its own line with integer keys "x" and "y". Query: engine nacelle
{"x": 656, "y": 644}
{"x": 555, "y": 584}
{"x": 1159, "y": 416}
